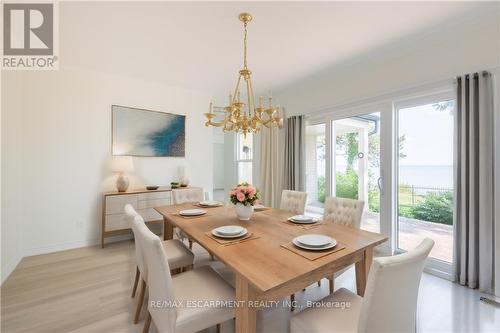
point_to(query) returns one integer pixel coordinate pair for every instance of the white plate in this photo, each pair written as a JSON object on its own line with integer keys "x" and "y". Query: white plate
{"x": 229, "y": 230}
{"x": 314, "y": 240}
{"x": 301, "y": 218}
{"x": 243, "y": 233}
{"x": 328, "y": 246}
{"x": 312, "y": 220}
{"x": 209, "y": 203}
{"x": 259, "y": 207}
{"x": 192, "y": 212}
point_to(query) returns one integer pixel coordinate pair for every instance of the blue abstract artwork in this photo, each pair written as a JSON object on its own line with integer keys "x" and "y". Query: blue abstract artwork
{"x": 138, "y": 132}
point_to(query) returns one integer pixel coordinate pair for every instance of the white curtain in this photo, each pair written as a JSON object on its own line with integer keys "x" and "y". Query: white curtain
{"x": 271, "y": 166}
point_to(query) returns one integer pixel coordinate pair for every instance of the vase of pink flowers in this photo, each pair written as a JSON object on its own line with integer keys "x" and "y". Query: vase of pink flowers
{"x": 244, "y": 196}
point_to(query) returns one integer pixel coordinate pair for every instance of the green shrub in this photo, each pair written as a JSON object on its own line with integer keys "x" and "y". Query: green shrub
{"x": 347, "y": 184}
{"x": 436, "y": 207}
{"x": 406, "y": 211}
{"x": 321, "y": 189}
{"x": 374, "y": 201}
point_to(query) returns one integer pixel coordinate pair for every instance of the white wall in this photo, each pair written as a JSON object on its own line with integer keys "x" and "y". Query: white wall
{"x": 463, "y": 47}
{"x": 56, "y": 146}
{"x": 12, "y": 173}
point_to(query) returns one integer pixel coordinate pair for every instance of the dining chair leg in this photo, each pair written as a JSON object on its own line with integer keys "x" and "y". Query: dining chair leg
{"x": 147, "y": 323}
{"x": 190, "y": 244}
{"x": 218, "y": 328}
{"x": 140, "y": 301}
{"x": 319, "y": 283}
{"x": 292, "y": 301}
{"x": 331, "y": 283}
{"x": 136, "y": 282}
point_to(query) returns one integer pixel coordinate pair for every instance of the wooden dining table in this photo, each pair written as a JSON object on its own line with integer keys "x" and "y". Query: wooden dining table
{"x": 264, "y": 269}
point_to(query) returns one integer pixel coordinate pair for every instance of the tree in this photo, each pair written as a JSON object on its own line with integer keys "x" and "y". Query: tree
{"x": 374, "y": 149}
{"x": 349, "y": 143}
{"x": 443, "y": 106}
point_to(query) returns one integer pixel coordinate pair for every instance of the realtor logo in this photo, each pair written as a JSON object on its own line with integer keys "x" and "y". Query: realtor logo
{"x": 29, "y": 36}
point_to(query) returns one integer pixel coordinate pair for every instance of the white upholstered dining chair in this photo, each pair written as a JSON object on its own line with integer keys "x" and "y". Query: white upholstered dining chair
{"x": 343, "y": 211}
{"x": 179, "y": 258}
{"x": 293, "y": 201}
{"x": 171, "y": 299}
{"x": 346, "y": 212}
{"x": 186, "y": 195}
{"x": 389, "y": 304}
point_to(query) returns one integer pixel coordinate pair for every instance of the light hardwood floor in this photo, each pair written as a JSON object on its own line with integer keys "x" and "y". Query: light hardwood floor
{"x": 88, "y": 290}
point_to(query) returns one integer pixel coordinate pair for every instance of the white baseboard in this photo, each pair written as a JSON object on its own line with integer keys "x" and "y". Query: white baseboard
{"x": 77, "y": 244}
{"x": 59, "y": 247}
{"x": 9, "y": 268}
{"x": 71, "y": 245}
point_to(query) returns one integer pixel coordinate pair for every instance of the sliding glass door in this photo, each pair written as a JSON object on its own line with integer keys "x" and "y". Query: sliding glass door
{"x": 356, "y": 164}
{"x": 425, "y": 174}
{"x": 397, "y": 156}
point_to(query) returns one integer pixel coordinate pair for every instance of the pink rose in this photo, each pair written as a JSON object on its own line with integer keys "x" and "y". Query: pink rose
{"x": 240, "y": 196}
{"x": 252, "y": 190}
{"x": 251, "y": 195}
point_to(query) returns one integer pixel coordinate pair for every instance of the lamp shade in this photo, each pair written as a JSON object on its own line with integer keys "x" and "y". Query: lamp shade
{"x": 122, "y": 164}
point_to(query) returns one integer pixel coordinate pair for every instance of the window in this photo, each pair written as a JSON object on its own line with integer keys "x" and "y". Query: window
{"x": 315, "y": 167}
{"x": 244, "y": 156}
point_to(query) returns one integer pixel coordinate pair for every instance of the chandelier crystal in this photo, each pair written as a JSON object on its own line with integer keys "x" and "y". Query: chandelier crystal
{"x": 241, "y": 115}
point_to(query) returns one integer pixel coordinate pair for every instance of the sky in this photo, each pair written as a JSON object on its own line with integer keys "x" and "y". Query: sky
{"x": 429, "y": 136}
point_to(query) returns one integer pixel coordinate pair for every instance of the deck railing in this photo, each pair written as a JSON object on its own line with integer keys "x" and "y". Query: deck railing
{"x": 410, "y": 195}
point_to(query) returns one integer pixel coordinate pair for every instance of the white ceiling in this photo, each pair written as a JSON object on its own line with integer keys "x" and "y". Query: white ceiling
{"x": 199, "y": 45}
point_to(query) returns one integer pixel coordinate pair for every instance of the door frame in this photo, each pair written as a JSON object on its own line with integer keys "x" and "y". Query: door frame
{"x": 435, "y": 266}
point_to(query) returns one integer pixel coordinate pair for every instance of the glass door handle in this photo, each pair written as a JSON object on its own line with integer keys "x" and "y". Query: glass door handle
{"x": 380, "y": 186}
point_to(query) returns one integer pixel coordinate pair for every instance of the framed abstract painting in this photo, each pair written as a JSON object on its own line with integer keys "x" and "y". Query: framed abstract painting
{"x": 138, "y": 132}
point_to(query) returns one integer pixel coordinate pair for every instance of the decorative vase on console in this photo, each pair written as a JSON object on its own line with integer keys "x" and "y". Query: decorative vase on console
{"x": 244, "y": 196}
{"x": 122, "y": 165}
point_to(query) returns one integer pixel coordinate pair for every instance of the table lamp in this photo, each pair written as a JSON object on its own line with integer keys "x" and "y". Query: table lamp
{"x": 122, "y": 164}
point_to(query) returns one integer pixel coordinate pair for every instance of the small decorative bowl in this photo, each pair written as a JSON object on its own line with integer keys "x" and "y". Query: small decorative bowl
{"x": 152, "y": 188}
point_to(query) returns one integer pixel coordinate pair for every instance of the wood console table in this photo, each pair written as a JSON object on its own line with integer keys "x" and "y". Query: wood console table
{"x": 144, "y": 201}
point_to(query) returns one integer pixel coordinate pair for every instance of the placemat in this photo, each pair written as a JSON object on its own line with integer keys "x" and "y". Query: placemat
{"x": 222, "y": 241}
{"x": 304, "y": 226}
{"x": 312, "y": 255}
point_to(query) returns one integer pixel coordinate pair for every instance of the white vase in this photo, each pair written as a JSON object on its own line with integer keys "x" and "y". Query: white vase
{"x": 244, "y": 212}
{"x": 122, "y": 183}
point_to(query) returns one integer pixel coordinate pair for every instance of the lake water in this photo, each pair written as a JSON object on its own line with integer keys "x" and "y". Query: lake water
{"x": 427, "y": 175}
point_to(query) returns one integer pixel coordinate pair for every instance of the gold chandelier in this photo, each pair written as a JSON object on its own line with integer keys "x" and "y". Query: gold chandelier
{"x": 238, "y": 116}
